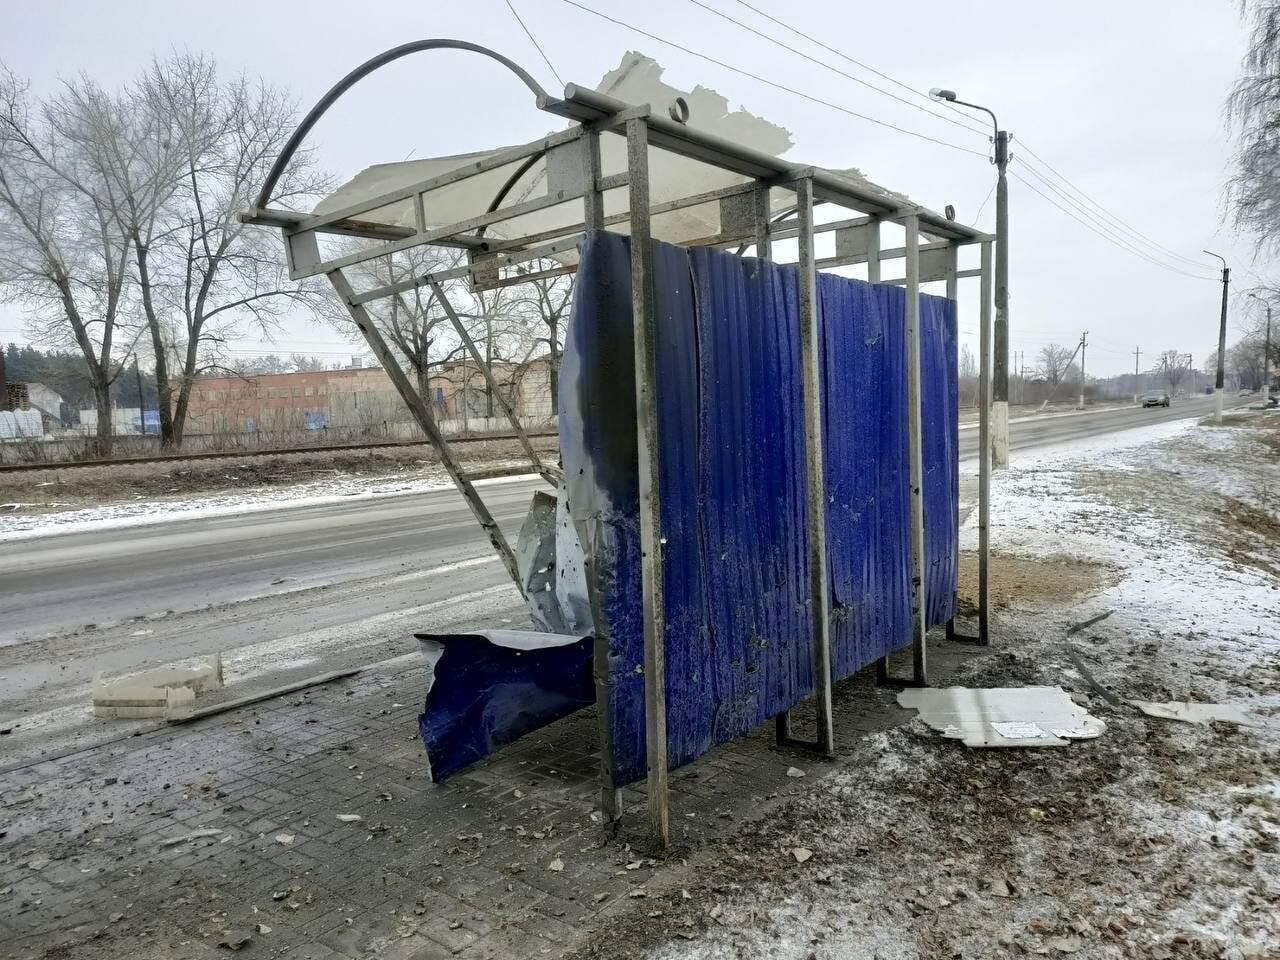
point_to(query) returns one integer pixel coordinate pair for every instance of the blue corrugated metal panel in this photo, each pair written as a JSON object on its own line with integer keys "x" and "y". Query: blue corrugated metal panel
{"x": 865, "y": 426}
{"x": 750, "y": 506}
{"x": 940, "y": 413}
{"x": 732, "y": 473}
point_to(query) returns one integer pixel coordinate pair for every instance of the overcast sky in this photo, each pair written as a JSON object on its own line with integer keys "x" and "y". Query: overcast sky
{"x": 1123, "y": 99}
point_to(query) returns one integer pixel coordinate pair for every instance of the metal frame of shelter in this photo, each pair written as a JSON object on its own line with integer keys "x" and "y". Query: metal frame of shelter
{"x": 930, "y": 254}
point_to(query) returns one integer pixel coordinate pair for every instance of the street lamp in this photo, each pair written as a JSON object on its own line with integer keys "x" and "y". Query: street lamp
{"x": 1000, "y": 347}
{"x": 1266, "y": 353}
{"x": 1222, "y": 340}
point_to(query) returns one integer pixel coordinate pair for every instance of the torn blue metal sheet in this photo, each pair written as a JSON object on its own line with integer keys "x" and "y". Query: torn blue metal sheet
{"x": 491, "y": 687}
{"x": 738, "y": 642}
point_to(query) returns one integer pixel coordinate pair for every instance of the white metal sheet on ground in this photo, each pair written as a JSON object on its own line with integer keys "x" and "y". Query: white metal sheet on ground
{"x": 1196, "y": 712}
{"x": 1004, "y": 716}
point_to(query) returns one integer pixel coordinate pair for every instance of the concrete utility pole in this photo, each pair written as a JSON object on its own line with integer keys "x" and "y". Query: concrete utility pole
{"x": 1000, "y": 346}
{"x": 1084, "y": 342}
{"x": 1137, "y": 387}
{"x": 1222, "y": 340}
{"x": 1266, "y": 351}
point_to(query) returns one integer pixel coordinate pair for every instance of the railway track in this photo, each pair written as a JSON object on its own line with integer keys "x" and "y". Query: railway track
{"x": 242, "y": 454}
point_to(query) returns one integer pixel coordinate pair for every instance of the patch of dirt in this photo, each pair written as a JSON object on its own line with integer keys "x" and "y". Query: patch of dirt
{"x": 922, "y": 848}
{"x": 1024, "y": 581}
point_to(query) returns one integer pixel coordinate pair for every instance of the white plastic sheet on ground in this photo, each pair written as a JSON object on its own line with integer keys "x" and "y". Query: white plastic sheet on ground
{"x": 1004, "y": 716}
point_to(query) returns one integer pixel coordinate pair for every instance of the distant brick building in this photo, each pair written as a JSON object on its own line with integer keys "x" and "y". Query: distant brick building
{"x": 360, "y": 400}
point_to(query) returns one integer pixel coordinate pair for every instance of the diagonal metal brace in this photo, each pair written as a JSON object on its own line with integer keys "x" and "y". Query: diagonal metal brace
{"x": 551, "y": 474}
{"x": 427, "y": 421}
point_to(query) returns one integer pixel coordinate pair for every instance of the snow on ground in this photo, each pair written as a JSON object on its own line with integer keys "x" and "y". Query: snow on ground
{"x": 142, "y": 512}
{"x": 1159, "y": 839}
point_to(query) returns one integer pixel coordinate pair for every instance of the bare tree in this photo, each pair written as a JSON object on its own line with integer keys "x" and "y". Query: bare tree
{"x": 1055, "y": 362}
{"x": 218, "y": 276}
{"x": 968, "y": 373}
{"x": 1254, "y": 189}
{"x": 63, "y": 251}
{"x": 127, "y": 149}
{"x": 413, "y": 322}
{"x": 1173, "y": 367}
{"x": 544, "y": 305}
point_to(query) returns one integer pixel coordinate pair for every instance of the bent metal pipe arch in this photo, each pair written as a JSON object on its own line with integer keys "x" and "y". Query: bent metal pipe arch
{"x": 359, "y": 73}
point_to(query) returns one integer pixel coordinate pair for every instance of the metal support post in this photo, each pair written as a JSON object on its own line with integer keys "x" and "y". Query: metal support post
{"x": 764, "y": 251}
{"x": 427, "y": 421}
{"x": 644, "y": 319}
{"x": 873, "y": 276}
{"x": 984, "y": 444}
{"x": 873, "y": 251}
{"x": 952, "y": 280}
{"x": 764, "y": 247}
{"x": 610, "y": 793}
{"x": 815, "y": 483}
{"x": 919, "y": 606}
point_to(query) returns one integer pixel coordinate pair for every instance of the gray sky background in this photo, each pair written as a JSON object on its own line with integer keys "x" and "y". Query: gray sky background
{"x": 1123, "y": 98}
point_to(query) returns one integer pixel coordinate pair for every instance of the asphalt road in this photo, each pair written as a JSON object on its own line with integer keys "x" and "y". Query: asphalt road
{"x": 289, "y": 592}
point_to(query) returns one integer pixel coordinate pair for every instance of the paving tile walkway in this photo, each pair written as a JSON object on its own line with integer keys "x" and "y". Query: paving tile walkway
{"x": 178, "y": 841}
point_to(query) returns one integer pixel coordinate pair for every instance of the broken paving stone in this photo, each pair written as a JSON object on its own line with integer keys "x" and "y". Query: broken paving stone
{"x": 795, "y": 773}
{"x": 999, "y": 887}
{"x": 801, "y": 854}
{"x": 235, "y": 940}
{"x": 193, "y": 835}
{"x": 1065, "y": 944}
{"x": 285, "y": 838}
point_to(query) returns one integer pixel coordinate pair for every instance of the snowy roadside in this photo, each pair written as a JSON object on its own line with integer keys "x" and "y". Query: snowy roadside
{"x": 341, "y": 488}
{"x": 1159, "y": 839}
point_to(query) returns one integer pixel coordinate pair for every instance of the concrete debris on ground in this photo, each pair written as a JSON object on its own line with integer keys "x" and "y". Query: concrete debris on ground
{"x": 164, "y": 692}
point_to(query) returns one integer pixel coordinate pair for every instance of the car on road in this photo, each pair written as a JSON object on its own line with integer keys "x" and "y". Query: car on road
{"x": 1155, "y": 398}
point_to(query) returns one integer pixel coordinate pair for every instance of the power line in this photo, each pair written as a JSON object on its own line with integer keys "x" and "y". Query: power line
{"x": 770, "y": 83}
{"x": 982, "y": 206}
{"x": 1110, "y": 216}
{"x": 848, "y": 76}
{"x": 1101, "y": 225}
{"x": 1122, "y": 224}
{"x": 533, "y": 40}
{"x": 1128, "y": 249}
{"x": 859, "y": 63}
